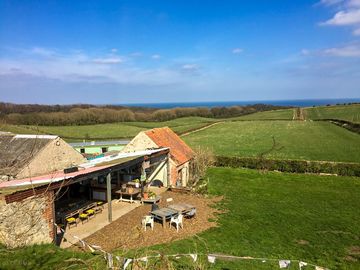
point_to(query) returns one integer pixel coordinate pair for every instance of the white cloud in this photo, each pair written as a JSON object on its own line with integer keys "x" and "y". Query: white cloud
{"x": 109, "y": 60}
{"x": 237, "y": 50}
{"x": 136, "y": 54}
{"x": 114, "y": 50}
{"x": 156, "y": 56}
{"x": 346, "y": 51}
{"x": 354, "y": 3}
{"x": 356, "y": 32}
{"x": 330, "y": 2}
{"x": 190, "y": 67}
{"x": 350, "y": 17}
{"x": 75, "y": 66}
{"x": 348, "y": 14}
{"x": 42, "y": 51}
{"x": 305, "y": 52}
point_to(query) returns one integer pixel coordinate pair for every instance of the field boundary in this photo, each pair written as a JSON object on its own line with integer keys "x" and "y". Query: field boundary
{"x": 353, "y": 127}
{"x": 292, "y": 166}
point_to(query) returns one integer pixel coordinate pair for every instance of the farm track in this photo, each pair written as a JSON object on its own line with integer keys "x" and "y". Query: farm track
{"x": 201, "y": 128}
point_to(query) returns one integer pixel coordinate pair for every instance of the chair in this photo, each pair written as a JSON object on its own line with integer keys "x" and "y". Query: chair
{"x": 148, "y": 220}
{"x": 154, "y": 207}
{"x": 191, "y": 213}
{"x": 83, "y": 217}
{"x": 90, "y": 213}
{"x": 178, "y": 220}
{"x": 101, "y": 204}
{"x": 71, "y": 221}
{"x": 98, "y": 209}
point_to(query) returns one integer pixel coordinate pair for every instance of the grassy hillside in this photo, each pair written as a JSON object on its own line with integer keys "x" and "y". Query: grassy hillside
{"x": 116, "y": 130}
{"x": 299, "y": 140}
{"x": 347, "y": 112}
{"x": 286, "y": 114}
{"x": 281, "y": 216}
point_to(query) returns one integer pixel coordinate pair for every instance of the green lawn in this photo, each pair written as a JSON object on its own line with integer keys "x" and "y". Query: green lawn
{"x": 282, "y": 216}
{"x": 346, "y": 112}
{"x": 300, "y": 140}
{"x": 286, "y": 114}
{"x": 109, "y": 131}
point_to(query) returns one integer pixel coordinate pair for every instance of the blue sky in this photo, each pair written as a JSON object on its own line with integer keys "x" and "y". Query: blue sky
{"x": 178, "y": 51}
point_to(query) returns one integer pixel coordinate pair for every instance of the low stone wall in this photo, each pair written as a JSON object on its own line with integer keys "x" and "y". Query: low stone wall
{"x": 27, "y": 222}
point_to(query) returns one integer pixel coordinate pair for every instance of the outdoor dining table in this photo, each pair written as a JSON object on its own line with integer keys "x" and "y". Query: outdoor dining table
{"x": 131, "y": 193}
{"x": 163, "y": 214}
{"x": 181, "y": 207}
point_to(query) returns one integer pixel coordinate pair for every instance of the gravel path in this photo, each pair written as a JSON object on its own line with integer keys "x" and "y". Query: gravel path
{"x": 126, "y": 232}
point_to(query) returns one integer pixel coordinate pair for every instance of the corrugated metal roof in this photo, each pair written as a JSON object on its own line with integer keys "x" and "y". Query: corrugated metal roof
{"x": 86, "y": 168}
{"x": 99, "y": 143}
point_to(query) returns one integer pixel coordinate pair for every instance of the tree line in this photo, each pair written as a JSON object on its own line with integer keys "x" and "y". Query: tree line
{"x": 82, "y": 114}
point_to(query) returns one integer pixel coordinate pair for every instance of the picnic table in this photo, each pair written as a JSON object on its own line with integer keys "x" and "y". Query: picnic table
{"x": 181, "y": 207}
{"x": 163, "y": 214}
{"x": 128, "y": 192}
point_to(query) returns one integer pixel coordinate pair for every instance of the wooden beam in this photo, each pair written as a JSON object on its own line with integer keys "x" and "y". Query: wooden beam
{"x": 108, "y": 195}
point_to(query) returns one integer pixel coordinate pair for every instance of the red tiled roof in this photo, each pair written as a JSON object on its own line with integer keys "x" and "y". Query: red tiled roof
{"x": 165, "y": 137}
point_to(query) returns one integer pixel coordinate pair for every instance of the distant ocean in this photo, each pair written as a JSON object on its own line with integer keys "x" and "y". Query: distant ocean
{"x": 295, "y": 103}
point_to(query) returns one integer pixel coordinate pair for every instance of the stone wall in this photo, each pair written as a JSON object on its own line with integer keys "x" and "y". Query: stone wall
{"x": 57, "y": 155}
{"x": 27, "y": 222}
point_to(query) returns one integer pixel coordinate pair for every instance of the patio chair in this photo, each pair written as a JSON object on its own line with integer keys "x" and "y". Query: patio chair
{"x": 83, "y": 217}
{"x": 148, "y": 220}
{"x": 178, "y": 220}
{"x": 100, "y": 204}
{"x": 191, "y": 213}
{"x": 90, "y": 213}
{"x": 71, "y": 221}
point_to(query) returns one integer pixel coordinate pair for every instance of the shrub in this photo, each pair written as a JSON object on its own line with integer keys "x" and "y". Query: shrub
{"x": 293, "y": 166}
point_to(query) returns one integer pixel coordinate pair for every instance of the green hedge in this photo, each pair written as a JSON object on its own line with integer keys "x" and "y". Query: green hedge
{"x": 293, "y": 166}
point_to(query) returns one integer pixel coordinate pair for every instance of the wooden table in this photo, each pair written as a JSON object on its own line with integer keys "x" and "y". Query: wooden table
{"x": 163, "y": 214}
{"x": 181, "y": 207}
{"x": 155, "y": 200}
{"x": 134, "y": 192}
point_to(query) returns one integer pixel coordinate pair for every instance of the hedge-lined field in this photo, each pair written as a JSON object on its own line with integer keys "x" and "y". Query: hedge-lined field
{"x": 344, "y": 112}
{"x": 286, "y": 114}
{"x": 109, "y": 131}
{"x": 295, "y": 140}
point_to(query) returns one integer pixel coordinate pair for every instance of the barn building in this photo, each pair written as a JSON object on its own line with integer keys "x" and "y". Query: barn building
{"x": 46, "y": 181}
{"x": 180, "y": 153}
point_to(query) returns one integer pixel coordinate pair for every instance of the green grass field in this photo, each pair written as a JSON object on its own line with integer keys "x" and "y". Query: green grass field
{"x": 281, "y": 216}
{"x": 300, "y": 140}
{"x": 273, "y": 215}
{"x": 347, "y": 112}
{"x": 109, "y": 131}
{"x": 286, "y": 114}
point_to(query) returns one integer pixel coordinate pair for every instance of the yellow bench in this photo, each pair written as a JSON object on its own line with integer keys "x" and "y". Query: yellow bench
{"x": 71, "y": 221}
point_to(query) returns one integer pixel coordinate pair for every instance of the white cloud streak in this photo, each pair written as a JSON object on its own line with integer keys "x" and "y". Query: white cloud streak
{"x": 348, "y": 14}
{"x": 237, "y": 50}
{"x": 346, "y": 51}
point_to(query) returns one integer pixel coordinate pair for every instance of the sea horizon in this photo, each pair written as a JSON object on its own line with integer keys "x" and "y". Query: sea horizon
{"x": 211, "y": 104}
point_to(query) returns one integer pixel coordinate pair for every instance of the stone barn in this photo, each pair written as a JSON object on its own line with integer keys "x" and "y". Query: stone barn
{"x": 180, "y": 153}
{"x": 46, "y": 181}
{"x": 25, "y": 156}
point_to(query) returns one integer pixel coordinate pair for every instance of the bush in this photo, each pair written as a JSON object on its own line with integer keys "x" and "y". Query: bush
{"x": 293, "y": 166}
